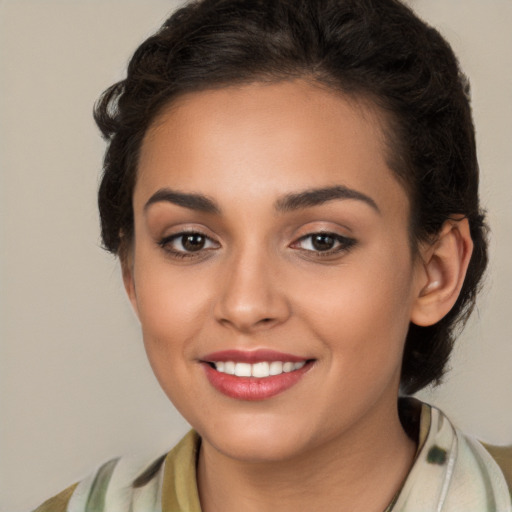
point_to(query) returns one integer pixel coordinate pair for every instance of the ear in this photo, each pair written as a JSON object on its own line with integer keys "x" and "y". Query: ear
{"x": 126, "y": 259}
{"x": 442, "y": 270}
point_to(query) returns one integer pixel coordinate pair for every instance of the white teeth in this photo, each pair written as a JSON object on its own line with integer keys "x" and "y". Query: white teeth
{"x": 229, "y": 367}
{"x": 243, "y": 369}
{"x": 287, "y": 367}
{"x": 276, "y": 367}
{"x": 259, "y": 370}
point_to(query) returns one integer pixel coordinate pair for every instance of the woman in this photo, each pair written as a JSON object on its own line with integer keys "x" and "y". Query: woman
{"x": 292, "y": 190}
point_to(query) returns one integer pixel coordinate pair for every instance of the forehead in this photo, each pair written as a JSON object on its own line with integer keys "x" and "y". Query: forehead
{"x": 293, "y": 134}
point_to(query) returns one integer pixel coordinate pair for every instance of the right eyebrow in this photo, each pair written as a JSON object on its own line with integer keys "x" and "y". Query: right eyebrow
{"x": 196, "y": 202}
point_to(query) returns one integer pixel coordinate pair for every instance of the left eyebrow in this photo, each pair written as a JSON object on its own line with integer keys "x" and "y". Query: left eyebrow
{"x": 318, "y": 196}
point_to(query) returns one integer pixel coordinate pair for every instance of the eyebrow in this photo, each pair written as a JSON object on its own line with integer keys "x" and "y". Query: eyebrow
{"x": 318, "y": 196}
{"x": 196, "y": 202}
{"x": 290, "y": 202}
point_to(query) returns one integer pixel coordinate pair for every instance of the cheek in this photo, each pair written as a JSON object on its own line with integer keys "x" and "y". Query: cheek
{"x": 172, "y": 307}
{"x": 363, "y": 309}
{"x": 172, "y": 313}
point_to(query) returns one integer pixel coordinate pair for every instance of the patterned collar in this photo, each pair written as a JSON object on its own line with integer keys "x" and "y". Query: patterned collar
{"x": 451, "y": 473}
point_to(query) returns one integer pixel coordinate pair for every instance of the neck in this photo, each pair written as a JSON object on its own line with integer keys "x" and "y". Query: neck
{"x": 362, "y": 469}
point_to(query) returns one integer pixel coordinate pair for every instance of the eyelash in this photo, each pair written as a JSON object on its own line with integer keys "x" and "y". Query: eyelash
{"x": 342, "y": 244}
{"x": 166, "y": 244}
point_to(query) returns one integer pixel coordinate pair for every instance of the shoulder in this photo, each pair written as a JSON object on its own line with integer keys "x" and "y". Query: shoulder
{"x": 59, "y": 502}
{"x": 134, "y": 484}
{"x": 118, "y": 485}
{"x": 453, "y": 471}
{"x": 503, "y": 457}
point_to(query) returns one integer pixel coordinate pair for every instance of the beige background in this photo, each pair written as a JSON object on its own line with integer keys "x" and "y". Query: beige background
{"x": 75, "y": 386}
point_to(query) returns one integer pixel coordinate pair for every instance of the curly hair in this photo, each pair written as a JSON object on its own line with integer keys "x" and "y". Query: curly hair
{"x": 372, "y": 49}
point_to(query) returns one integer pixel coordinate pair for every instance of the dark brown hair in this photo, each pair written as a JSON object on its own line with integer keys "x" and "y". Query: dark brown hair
{"x": 372, "y": 49}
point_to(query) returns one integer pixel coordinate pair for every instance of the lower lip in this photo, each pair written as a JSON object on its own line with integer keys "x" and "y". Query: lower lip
{"x": 254, "y": 388}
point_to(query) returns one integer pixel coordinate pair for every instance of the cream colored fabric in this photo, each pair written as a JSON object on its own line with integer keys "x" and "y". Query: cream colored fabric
{"x": 503, "y": 456}
{"x": 451, "y": 473}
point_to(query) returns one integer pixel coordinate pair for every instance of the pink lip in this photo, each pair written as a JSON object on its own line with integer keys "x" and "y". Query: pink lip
{"x": 251, "y": 356}
{"x": 254, "y": 388}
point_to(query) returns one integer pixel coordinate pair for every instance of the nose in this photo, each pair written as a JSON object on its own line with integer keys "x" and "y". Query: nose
{"x": 251, "y": 296}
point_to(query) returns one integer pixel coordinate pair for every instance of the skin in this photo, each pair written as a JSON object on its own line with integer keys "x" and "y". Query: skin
{"x": 260, "y": 283}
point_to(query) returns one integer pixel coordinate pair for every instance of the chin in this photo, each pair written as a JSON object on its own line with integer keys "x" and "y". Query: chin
{"x": 256, "y": 440}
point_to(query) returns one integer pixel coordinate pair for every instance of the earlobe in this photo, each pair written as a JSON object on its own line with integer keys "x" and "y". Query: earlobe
{"x": 444, "y": 265}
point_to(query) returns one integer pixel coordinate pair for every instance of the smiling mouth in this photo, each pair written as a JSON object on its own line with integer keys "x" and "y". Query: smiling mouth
{"x": 258, "y": 379}
{"x": 259, "y": 370}
{"x": 254, "y": 374}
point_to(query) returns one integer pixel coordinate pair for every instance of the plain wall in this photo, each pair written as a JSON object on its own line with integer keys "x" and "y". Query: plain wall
{"x": 76, "y": 388}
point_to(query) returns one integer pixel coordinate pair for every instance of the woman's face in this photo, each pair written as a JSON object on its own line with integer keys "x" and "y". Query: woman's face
{"x": 269, "y": 229}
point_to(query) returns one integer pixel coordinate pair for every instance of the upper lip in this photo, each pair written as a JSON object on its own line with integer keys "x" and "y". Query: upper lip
{"x": 252, "y": 356}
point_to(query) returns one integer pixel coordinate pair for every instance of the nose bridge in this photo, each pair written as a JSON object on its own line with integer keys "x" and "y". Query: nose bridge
{"x": 250, "y": 296}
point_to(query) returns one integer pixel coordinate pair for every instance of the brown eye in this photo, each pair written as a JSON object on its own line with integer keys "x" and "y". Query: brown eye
{"x": 323, "y": 242}
{"x": 187, "y": 243}
{"x": 327, "y": 243}
{"x": 193, "y": 242}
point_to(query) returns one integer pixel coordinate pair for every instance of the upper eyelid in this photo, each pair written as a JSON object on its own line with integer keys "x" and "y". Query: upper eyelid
{"x": 336, "y": 236}
{"x": 174, "y": 236}
{"x": 341, "y": 227}
{"x": 188, "y": 231}
{"x": 324, "y": 232}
